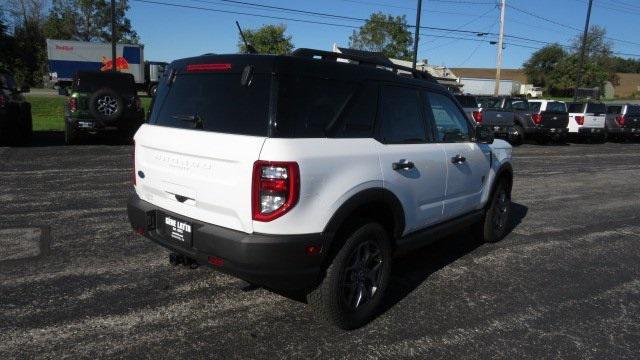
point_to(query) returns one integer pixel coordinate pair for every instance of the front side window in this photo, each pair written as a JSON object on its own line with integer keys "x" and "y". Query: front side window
{"x": 400, "y": 116}
{"x": 451, "y": 123}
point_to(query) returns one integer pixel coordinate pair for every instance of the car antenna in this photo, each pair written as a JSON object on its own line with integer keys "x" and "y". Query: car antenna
{"x": 249, "y": 47}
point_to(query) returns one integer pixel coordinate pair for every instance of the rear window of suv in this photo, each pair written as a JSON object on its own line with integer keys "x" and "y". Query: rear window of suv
{"x": 214, "y": 102}
{"x": 92, "y": 82}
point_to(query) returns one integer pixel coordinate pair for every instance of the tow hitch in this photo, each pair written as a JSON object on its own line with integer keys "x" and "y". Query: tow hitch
{"x": 177, "y": 259}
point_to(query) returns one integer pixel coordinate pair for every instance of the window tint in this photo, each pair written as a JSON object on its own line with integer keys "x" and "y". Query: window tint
{"x": 633, "y": 109}
{"x": 451, "y": 123}
{"x": 307, "y": 105}
{"x": 576, "y": 107}
{"x": 535, "y": 106}
{"x": 556, "y": 106}
{"x": 596, "y": 108}
{"x": 517, "y": 104}
{"x": 400, "y": 115}
{"x": 616, "y": 109}
{"x": 214, "y": 102}
{"x": 490, "y": 103}
{"x": 358, "y": 117}
{"x": 467, "y": 101}
{"x": 89, "y": 82}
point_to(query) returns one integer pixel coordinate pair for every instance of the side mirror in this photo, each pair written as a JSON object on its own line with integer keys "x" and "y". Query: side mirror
{"x": 484, "y": 135}
{"x": 25, "y": 89}
{"x": 63, "y": 91}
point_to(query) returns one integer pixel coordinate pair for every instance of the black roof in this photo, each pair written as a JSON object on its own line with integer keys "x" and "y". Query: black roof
{"x": 315, "y": 63}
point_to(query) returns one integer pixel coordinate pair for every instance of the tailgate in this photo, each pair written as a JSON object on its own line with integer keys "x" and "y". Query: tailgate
{"x": 554, "y": 120}
{"x": 491, "y": 117}
{"x": 594, "y": 121}
{"x": 199, "y": 174}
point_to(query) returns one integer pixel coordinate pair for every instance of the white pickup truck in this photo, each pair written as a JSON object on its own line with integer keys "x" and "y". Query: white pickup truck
{"x": 587, "y": 120}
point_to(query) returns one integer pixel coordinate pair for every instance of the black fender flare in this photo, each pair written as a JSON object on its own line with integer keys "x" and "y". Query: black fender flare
{"x": 362, "y": 198}
{"x": 504, "y": 170}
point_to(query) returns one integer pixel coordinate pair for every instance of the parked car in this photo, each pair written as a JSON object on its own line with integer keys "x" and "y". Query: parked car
{"x": 587, "y": 120}
{"x": 301, "y": 173}
{"x": 551, "y": 119}
{"x": 16, "y": 127}
{"x": 470, "y": 106}
{"x": 102, "y": 103}
{"x": 492, "y": 116}
{"x": 531, "y": 91}
{"x": 623, "y": 121}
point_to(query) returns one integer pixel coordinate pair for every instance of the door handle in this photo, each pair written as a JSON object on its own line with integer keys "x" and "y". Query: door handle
{"x": 458, "y": 159}
{"x": 405, "y": 165}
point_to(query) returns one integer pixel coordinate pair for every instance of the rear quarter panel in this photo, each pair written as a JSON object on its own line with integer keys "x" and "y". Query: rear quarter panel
{"x": 500, "y": 156}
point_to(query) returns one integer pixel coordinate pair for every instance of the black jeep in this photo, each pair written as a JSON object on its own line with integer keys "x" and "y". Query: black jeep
{"x": 102, "y": 102}
{"x": 16, "y": 127}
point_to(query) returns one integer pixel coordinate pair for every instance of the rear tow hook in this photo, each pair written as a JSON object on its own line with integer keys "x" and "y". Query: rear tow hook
{"x": 177, "y": 259}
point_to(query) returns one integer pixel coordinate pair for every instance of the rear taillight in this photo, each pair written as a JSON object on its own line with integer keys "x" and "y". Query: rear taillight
{"x": 208, "y": 67}
{"x": 620, "y": 120}
{"x": 73, "y": 104}
{"x": 579, "y": 119}
{"x": 138, "y": 104}
{"x": 537, "y": 118}
{"x": 133, "y": 165}
{"x": 2, "y": 101}
{"x": 275, "y": 189}
{"x": 477, "y": 116}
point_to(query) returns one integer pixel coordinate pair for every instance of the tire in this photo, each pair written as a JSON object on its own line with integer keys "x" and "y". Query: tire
{"x": 71, "y": 134}
{"x": 518, "y": 135}
{"x": 106, "y": 105}
{"x": 153, "y": 89}
{"x": 349, "y": 298}
{"x": 493, "y": 227}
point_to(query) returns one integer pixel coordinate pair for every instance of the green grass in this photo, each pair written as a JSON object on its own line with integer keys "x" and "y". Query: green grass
{"x": 48, "y": 111}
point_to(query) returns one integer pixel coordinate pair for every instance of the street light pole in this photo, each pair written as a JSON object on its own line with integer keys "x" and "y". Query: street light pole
{"x": 496, "y": 91}
{"x": 582, "y": 52}
{"x": 417, "y": 37}
{"x": 113, "y": 35}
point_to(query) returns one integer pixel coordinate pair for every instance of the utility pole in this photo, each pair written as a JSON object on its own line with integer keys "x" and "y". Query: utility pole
{"x": 415, "y": 42}
{"x": 500, "y": 46}
{"x": 582, "y": 52}
{"x": 113, "y": 35}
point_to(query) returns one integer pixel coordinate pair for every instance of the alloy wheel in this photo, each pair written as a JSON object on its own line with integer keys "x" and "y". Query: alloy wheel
{"x": 107, "y": 105}
{"x": 363, "y": 275}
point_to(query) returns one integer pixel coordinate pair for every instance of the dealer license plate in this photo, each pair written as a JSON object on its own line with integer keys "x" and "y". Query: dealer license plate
{"x": 177, "y": 229}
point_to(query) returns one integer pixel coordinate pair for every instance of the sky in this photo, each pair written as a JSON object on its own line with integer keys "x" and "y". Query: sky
{"x": 170, "y": 33}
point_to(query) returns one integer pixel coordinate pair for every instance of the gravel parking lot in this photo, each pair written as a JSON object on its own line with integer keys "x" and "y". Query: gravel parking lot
{"x": 565, "y": 283}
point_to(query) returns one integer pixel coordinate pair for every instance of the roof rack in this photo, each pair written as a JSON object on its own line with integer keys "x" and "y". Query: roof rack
{"x": 373, "y": 61}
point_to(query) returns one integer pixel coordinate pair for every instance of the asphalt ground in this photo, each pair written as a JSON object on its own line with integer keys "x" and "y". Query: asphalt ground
{"x": 565, "y": 283}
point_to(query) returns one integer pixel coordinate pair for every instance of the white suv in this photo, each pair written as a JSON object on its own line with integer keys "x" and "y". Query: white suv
{"x": 305, "y": 173}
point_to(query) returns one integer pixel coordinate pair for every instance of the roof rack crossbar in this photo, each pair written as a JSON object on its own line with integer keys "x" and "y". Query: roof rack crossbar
{"x": 362, "y": 60}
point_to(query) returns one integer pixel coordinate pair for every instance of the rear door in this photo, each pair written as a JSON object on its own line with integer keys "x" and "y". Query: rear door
{"x": 413, "y": 166}
{"x": 466, "y": 161}
{"x": 195, "y": 157}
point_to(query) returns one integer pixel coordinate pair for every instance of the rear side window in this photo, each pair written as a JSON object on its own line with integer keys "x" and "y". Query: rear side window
{"x": 307, "y": 106}
{"x": 576, "y": 107}
{"x": 556, "y": 106}
{"x": 400, "y": 116}
{"x": 358, "y": 118}
{"x": 596, "y": 108}
{"x": 467, "y": 101}
{"x": 214, "y": 102}
{"x": 535, "y": 106}
{"x": 451, "y": 123}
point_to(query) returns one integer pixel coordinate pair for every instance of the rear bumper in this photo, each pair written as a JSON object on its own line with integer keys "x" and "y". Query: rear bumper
{"x": 501, "y": 131}
{"x": 276, "y": 261}
{"x": 551, "y": 132}
{"x": 624, "y": 131}
{"x": 587, "y": 132}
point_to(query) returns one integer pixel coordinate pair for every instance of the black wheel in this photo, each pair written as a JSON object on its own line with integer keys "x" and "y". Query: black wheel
{"x": 542, "y": 140}
{"x": 71, "y": 134}
{"x": 153, "y": 89}
{"x": 517, "y": 135}
{"x": 352, "y": 290}
{"x": 495, "y": 222}
{"x": 105, "y": 104}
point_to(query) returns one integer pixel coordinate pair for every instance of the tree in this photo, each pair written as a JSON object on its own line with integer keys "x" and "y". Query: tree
{"x": 622, "y": 65}
{"x": 386, "y": 34}
{"x": 269, "y": 39}
{"x": 7, "y": 46}
{"x": 88, "y": 20}
{"x": 542, "y": 63}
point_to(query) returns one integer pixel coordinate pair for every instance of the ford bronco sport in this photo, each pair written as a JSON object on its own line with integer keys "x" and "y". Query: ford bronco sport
{"x": 102, "y": 102}
{"x": 16, "y": 127}
{"x": 308, "y": 174}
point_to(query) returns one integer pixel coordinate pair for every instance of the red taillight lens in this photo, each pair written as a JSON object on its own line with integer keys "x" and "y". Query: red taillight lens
{"x": 133, "y": 160}
{"x": 275, "y": 189}
{"x": 580, "y": 120}
{"x": 620, "y": 120}
{"x": 208, "y": 67}
{"x": 73, "y": 104}
{"x": 537, "y": 118}
{"x": 477, "y": 116}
